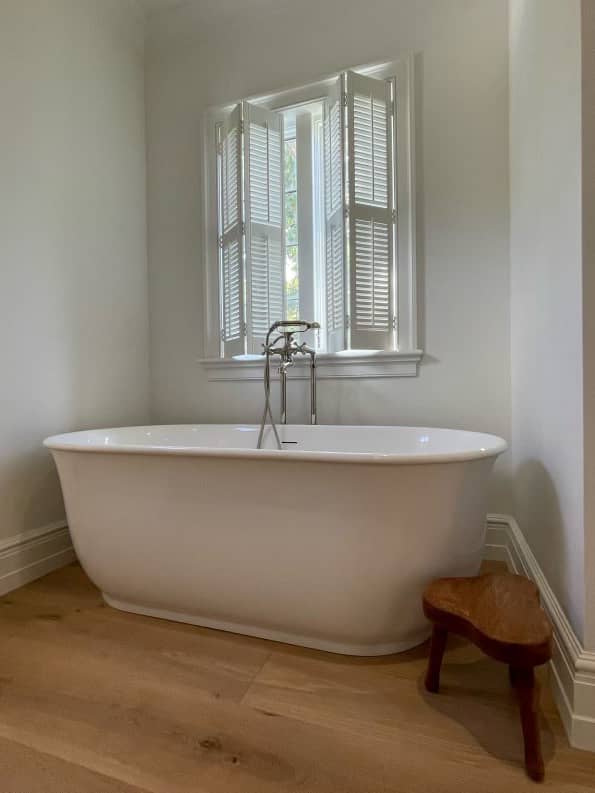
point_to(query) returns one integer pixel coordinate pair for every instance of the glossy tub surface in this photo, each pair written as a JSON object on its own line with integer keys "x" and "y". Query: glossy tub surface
{"x": 326, "y": 544}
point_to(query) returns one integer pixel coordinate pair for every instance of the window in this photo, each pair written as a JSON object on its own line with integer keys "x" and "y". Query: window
{"x": 309, "y": 211}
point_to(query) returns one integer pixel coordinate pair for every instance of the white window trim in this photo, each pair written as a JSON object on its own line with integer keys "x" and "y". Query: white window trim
{"x": 403, "y": 362}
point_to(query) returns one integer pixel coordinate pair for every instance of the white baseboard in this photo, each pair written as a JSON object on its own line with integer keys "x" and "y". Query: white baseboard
{"x": 573, "y": 667}
{"x": 30, "y": 555}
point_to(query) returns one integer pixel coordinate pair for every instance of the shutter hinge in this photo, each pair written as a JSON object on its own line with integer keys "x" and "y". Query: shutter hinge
{"x": 346, "y": 211}
{"x": 344, "y": 98}
{"x": 220, "y": 242}
{"x": 242, "y": 127}
{"x": 243, "y": 229}
{"x": 223, "y": 334}
{"x": 394, "y": 215}
{"x": 393, "y": 323}
{"x": 244, "y": 329}
{"x": 347, "y": 321}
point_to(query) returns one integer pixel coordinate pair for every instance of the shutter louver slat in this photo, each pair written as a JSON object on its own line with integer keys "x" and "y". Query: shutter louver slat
{"x": 274, "y": 175}
{"x": 334, "y": 159}
{"x": 264, "y": 211}
{"x": 232, "y": 292}
{"x": 230, "y": 178}
{"x": 259, "y": 203}
{"x": 231, "y": 239}
{"x": 266, "y": 283}
{"x": 370, "y": 151}
{"x": 370, "y": 210}
{"x": 334, "y": 279}
{"x": 372, "y": 277}
{"x": 335, "y": 222}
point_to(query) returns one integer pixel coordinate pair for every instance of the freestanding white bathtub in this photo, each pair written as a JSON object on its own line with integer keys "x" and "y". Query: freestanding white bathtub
{"x": 327, "y": 543}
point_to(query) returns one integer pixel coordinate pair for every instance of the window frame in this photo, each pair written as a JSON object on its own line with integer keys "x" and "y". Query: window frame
{"x": 402, "y": 361}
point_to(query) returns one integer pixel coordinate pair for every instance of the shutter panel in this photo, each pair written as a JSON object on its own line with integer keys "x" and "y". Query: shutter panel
{"x": 263, "y": 173}
{"x": 371, "y": 225}
{"x": 231, "y": 237}
{"x": 334, "y": 181}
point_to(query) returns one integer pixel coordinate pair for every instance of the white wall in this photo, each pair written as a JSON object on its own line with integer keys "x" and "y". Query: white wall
{"x": 221, "y": 51}
{"x": 73, "y": 294}
{"x": 588, "y": 201}
{"x": 546, "y": 290}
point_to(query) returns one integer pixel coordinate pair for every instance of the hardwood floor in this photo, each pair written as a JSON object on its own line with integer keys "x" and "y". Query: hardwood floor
{"x": 93, "y": 700}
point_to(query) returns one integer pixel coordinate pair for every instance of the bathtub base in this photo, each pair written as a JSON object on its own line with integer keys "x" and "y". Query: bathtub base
{"x": 271, "y": 635}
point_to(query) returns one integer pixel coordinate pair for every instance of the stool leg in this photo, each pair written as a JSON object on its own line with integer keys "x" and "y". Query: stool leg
{"x": 524, "y": 682}
{"x": 437, "y": 646}
{"x": 512, "y": 676}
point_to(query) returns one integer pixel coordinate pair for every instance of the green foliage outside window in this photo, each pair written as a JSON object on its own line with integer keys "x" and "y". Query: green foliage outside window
{"x": 292, "y": 283}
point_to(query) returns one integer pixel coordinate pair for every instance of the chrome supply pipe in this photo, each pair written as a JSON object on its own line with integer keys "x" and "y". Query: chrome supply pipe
{"x": 283, "y": 384}
{"x": 283, "y": 381}
{"x": 305, "y": 350}
{"x": 313, "y": 409}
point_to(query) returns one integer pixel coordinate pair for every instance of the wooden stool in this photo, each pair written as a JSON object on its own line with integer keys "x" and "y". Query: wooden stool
{"x": 500, "y": 614}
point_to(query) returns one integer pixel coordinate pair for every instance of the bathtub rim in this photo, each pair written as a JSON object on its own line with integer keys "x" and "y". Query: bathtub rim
{"x": 66, "y": 442}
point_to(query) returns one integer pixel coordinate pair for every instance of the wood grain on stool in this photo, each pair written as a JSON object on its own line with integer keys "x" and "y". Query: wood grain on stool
{"x": 501, "y": 614}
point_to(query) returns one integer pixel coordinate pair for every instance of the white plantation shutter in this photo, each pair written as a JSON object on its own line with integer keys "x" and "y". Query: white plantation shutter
{"x": 334, "y": 219}
{"x": 231, "y": 238}
{"x": 369, "y": 124}
{"x": 263, "y": 172}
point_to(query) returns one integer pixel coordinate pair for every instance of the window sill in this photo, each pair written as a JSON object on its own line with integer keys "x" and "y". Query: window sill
{"x": 329, "y": 366}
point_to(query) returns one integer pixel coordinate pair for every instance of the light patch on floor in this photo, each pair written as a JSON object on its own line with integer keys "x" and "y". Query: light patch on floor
{"x": 93, "y": 699}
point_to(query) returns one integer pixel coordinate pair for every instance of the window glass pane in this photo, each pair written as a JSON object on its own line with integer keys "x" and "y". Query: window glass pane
{"x": 292, "y": 282}
{"x": 291, "y": 233}
{"x": 290, "y": 165}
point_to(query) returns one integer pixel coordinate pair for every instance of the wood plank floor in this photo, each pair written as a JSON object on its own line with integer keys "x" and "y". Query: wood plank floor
{"x": 93, "y": 700}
